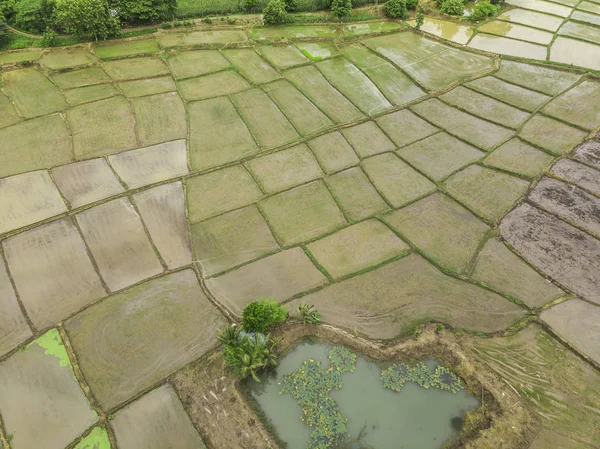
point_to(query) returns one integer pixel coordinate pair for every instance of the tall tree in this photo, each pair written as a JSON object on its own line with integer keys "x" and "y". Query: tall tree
{"x": 134, "y": 11}
{"x": 341, "y": 8}
{"x": 91, "y": 17}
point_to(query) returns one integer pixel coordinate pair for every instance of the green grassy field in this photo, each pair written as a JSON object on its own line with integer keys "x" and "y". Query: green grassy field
{"x": 190, "y": 8}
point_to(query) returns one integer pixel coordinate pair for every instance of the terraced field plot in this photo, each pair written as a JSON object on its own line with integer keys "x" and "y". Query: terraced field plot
{"x": 566, "y": 32}
{"x": 150, "y": 189}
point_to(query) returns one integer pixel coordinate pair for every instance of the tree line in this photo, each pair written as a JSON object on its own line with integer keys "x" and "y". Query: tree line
{"x": 98, "y": 19}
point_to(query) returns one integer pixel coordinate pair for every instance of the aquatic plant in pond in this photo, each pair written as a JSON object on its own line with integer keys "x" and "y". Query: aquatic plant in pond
{"x": 311, "y": 386}
{"x": 374, "y": 415}
{"x": 395, "y": 376}
{"x": 342, "y": 359}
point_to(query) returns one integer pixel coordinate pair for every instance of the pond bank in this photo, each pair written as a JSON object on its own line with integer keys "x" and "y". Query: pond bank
{"x": 224, "y": 412}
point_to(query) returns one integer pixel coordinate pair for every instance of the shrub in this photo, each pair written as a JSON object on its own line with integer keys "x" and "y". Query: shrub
{"x": 207, "y": 20}
{"x": 341, "y": 8}
{"x": 396, "y": 9}
{"x": 49, "y": 39}
{"x": 453, "y": 7}
{"x": 419, "y": 19}
{"x": 7, "y": 9}
{"x": 291, "y": 5}
{"x": 246, "y": 356}
{"x": 308, "y": 314}
{"x": 412, "y": 4}
{"x": 250, "y": 5}
{"x": 3, "y": 32}
{"x": 135, "y": 11}
{"x": 165, "y": 25}
{"x": 258, "y": 316}
{"x": 231, "y": 20}
{"x": 33, "y": 15}
{"x": 275, "y": 12}
{"x": 483, "y": 9}
{"x": 229, "y": 335}
{"x": 92, "y": 17}
{"x": 177, "y": 24}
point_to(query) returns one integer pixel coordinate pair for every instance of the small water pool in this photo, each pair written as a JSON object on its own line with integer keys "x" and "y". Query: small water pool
{"x": 376, "y": 417}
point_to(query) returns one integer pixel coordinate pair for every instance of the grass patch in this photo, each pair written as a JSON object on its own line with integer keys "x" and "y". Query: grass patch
{"x": 134, "y": 33}
{"x": 357, "y": 16}
{"x": 16, "y": 41}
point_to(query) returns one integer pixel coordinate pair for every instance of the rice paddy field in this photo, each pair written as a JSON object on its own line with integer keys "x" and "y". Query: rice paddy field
{"x": 150, "y": 188}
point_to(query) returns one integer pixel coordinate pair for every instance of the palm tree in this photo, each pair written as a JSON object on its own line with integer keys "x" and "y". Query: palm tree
{"x": 249, "y": 367}
{"x": 229, "y": 335}
{"x": 308, "y": 314}
{"x": 269, "y": 350}
{"x": 304, "y": 310}
{"x": 247, "y": 354}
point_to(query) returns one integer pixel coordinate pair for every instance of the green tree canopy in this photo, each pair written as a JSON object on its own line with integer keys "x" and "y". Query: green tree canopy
{"x": 341, "y": 8}
{"x": 33, "y": 15}
{"x": 91, "y": 17}
{"x": 144, "y": 10}
{"x": 275, "y": 12}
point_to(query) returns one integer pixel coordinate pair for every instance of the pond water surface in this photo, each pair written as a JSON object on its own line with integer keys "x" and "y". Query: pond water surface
{"x": 378, "y": 418}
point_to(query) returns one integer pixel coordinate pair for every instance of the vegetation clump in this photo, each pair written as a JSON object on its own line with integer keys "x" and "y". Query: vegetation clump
{"x": 91, "y": 17}
{"x": 483, "y": 9}
{"x": 247, "y": 350}
{"x": 342, "y": 359}
{"x": 248, "y": 354}
{"x": 49, "y": 39}
{"x": 453, "y": 7}
{"x": 341, "y": 8}
{"x": 3, "y": 32}
{"x": 275, "y": 12}
{"x": 308, "y": 314}
{"x": 396, "y": 9}
{"x": 33, "y": 15}
{"x": 311, "y": 386}
{"x": 395, "y": 376}
{"x": 258, "y": 316}
{"x": 136, "y": 11}
{"x": 419, "y": 19}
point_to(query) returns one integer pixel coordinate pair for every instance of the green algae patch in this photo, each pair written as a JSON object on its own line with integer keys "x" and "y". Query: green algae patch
{"x": 317, "y": 51}
{"x": 97, "y": 439}
{"x": 53, "y": 345}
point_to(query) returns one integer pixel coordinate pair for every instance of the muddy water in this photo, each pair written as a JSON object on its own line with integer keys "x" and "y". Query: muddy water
{"x": 414, "y": 418}
{"x": 448, "y": 30}
{"x": 514, "y": 31}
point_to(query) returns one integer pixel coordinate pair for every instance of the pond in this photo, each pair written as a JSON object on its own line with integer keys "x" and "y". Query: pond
{"x": 355, "y": 409}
